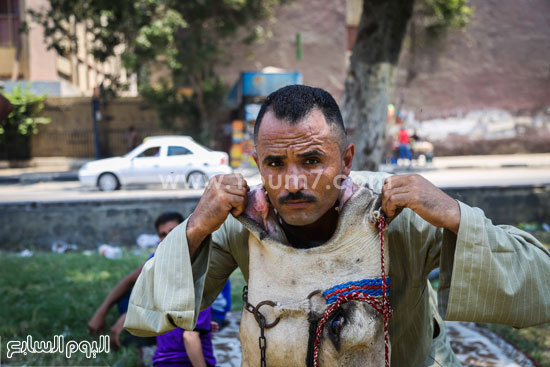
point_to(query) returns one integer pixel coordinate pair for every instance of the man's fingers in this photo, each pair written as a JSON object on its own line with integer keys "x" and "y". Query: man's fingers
{"x": 235, "y": 179}
{"x": 115, "y": 339}
{"x": 214, "y": 326}
{"x": 386, "y": 191}
{"x": 236, "y": 190}
{"x": 396, "y": 181}
{"x": 94, "y": 329}
{"x": 238, "y": 202}
{"x": 393, "y": 203}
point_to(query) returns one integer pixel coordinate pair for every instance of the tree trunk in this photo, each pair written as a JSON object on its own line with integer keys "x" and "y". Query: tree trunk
{"x": 370, "y": 77}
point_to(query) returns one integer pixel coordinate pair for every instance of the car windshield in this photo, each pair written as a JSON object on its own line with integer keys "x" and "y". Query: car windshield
{"x": 149, "y": 152}
{"x": 132, "y": 152}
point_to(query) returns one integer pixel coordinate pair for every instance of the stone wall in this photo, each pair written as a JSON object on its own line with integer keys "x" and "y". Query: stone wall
{"x": 508, "y": 205}
{"x": 500, "y": 60}
{"x": 85, "y": 223}
{"x": 119, "y": 222}
{"x": 322, "y": 25}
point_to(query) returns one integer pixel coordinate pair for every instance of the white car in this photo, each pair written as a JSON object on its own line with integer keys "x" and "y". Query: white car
{"x": 169, "y": 160}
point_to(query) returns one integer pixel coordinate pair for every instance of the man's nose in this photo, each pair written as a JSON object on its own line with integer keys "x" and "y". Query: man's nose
{"x": 294, "y": 181}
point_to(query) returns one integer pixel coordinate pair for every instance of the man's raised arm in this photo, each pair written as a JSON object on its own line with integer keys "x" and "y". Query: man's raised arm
{"x": 489, "y": 273}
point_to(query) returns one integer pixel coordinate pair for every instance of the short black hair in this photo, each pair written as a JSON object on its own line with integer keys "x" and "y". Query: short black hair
{"x": 168, "y": 217}
{"x": 293, "y": 102}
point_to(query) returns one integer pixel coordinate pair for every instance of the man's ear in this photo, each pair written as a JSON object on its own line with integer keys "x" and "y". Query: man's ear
{"x": 347, "y": 158}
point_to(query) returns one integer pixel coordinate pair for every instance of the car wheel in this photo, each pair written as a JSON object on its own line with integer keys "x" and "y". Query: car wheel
{"x": 108, "y": 182}
{"x": 197, "y": 180}
{"x": 421, "y": 159}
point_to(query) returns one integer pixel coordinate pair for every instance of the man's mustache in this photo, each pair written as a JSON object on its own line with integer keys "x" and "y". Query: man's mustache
{"x": 298, "y": 195}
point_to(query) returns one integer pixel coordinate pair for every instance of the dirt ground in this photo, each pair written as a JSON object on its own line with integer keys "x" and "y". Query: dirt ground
{"x": 473, "y": 345}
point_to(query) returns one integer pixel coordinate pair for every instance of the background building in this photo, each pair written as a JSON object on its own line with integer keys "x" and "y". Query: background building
{"x": 25, "y": 57}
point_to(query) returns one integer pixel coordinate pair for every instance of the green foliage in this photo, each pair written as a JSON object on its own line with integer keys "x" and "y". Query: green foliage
{"x": 534, "y": 340}
{"x": 57, "y": 294}
{"x": 180, "y": 109}
{"x": 448, "y": 13}
{"x": 24, "y": 119}
{"x": 184, "y": 40}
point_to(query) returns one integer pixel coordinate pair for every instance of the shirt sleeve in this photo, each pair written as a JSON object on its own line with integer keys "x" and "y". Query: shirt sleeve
{"x": 493, "y": 273}
{"x": 169, "y": 291}
{"x": 488, "y": 273}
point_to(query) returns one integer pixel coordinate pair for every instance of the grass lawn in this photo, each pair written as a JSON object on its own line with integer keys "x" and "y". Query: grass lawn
{"x": 51, "y": 294}
{"x": 534, "y": 340}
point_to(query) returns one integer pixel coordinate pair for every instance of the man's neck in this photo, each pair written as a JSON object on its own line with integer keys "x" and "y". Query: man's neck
{"x": 314, "y": 234}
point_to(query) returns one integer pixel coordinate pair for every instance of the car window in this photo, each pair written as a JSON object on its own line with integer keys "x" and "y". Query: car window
{"x": 150, "y": 152}
{"x": 178, "y": 150}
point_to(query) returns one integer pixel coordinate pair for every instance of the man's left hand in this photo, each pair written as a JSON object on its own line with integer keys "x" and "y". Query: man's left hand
{"x": 116, "y": 330}
{"x": 420, "y": 195}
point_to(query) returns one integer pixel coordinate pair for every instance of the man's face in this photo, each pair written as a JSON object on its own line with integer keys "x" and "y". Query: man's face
{"x": 165, "y": 228}
{"x": 301, "y": 166}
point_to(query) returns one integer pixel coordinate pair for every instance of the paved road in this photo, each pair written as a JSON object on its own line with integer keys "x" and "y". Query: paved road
{"x": 66, "y": 191}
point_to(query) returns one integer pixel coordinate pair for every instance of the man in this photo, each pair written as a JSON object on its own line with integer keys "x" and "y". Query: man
{"x": 120, "y": 294}
{"x": 183, "y": 348}
{"x": 177, "y": 347}
{"x": 222, "y": 306}
{"x": 130, "y": 138}
{"x": 488, "y": 273}
{"x": 404, "y": 144}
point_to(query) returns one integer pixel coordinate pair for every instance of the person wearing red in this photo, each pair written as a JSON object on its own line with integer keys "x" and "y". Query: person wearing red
{"x": 404, "y": 144}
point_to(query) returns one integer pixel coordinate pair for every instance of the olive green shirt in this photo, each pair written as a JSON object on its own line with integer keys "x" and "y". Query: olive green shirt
{"x": 488, "y": 273}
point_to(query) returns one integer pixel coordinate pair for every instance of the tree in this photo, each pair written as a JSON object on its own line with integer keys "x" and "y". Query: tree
{"x": 184, "y": 38}
{"x": 370, "y": 78}
{"x": 21, "y": 123}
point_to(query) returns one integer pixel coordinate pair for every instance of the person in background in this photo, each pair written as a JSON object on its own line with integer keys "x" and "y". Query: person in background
{"x": 175, "y": 348}
{"x": 404, "y": 144}
{"x": 183, "y": 348}
{"x": 221, "y": 306}
{"x": 120, "y": 294}
{"x": 130, "y": 138}
{"x": 415, "y": 137}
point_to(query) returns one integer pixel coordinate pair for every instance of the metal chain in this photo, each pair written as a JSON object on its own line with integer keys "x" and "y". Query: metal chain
{"x": 260, "y": 318}
{"x": 262, "y": 342}
{"x": 247, "y": 305}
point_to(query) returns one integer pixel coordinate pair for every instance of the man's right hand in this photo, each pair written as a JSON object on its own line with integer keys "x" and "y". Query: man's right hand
{"x": 224, "y": 194}
{"x": 96, "y": 324}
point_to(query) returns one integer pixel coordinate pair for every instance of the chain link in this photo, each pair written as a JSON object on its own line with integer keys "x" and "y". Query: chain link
{"x": 247, "y": 305}
{"x": 262, "y": 341}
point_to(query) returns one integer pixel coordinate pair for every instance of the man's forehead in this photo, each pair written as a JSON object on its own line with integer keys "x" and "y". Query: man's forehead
{"x": 312, "y": 126}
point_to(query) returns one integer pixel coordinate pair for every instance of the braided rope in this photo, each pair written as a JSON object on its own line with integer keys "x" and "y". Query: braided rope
{"x": 371, "y": 287}
{"x": 359, "y": 291}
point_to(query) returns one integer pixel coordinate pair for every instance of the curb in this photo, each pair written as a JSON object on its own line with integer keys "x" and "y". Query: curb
{"x": 30, "y": 178}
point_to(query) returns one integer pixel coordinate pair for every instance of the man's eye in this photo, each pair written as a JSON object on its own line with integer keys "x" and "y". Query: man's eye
{"x": 312, "y": 161}
{"x": 274, "y": 164}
